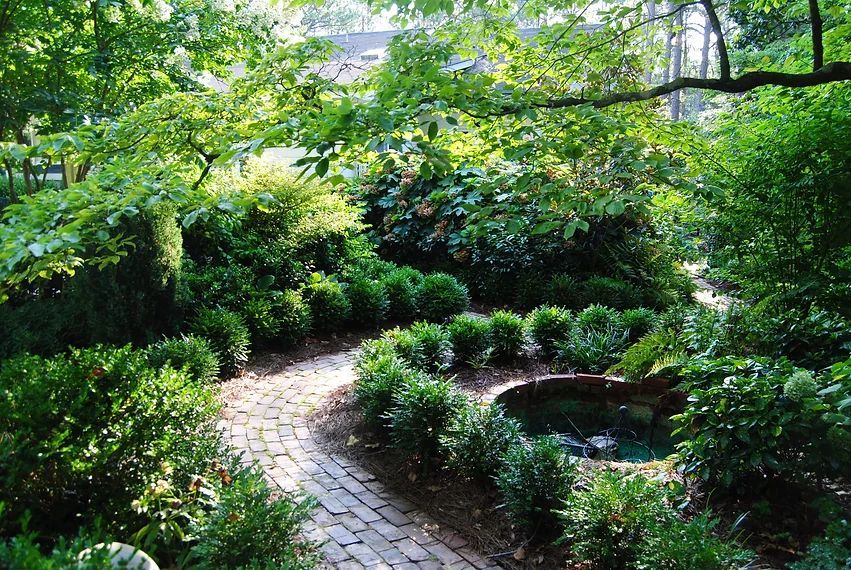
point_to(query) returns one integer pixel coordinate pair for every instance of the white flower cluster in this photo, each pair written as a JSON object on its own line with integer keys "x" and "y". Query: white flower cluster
{"x": 193, "y": 32}
{"x": 159, "y": 9}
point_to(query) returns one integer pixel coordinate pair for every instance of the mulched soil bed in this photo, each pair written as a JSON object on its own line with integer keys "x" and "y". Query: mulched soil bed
{"x": 470, "y": 508}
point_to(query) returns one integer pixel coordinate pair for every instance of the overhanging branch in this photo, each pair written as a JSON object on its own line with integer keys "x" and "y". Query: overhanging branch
{"x": 836, "y": 71}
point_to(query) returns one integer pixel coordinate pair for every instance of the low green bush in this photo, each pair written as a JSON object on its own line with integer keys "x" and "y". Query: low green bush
{"x": 621, "y": 522}
{"x": 293, "y": 314}
{"x": 829, "y": 552}
{"x": 563, "y": 290}
{"x": 83, "y": 432}
{"x": 426, "y": 346}
{"x": 329, "y": 306}
{"x": 638, "y": 322}
{"x": 249, "y": 528}
{"x": 681, "y": 545}
{"x": 421, "y": 412}
{"x": 188, "y": 352}
{"x": 547, "y": 326}
{"x": 471, "y": 339}
{"x": 23, "y": 551}
{"x": 508, "y": 335}
{"x": 379, "y": 377}
{"x": 228, "y": 337}
{"x": 369, "y": 300}
{"x": 611, "y": 292}
{"x": 259, "y": 314}
{"x": 590, "y": 349}
{"x": 534, "y": 479}
{"x": 441, "y": 296}
{"x": 477, "y": 439}
{"x": 401, "y": 285}
{"x": 607, "y": 522}
{"x": 599, "y": 317}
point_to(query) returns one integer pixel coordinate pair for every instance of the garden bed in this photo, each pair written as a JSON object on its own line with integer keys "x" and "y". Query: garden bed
{"x": 472, "y": 509}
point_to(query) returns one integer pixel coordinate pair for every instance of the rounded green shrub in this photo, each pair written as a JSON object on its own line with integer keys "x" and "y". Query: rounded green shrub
{"x": 508, "y": 335}
{"x": 562, "y": 290}
{"x": 259, "y": 315}
{"x": 228, "y": 337}
{"x": 265, "y": 533}
{"x": 188, "y": 352}
{"x": 599, "y": 317}
{"x": 425, "y": 346}
{"x": 535, "y": 478}
{"x": 329, "y": 306}
{"x": 441, "y": 296}
{"x": 471, "y": 339}
{"x": 611, "y": 292}
{"x": 638, "y": 322}
{"x": 477, "y": 439}
{"x": 293, "y": 315}
{"x": 549, "y": 325}
{"x": 681, "y": 545}
{"x": 607, "y": 522}
{"x": 421, "y": 412}
{"x": 369, "y": 300}
{"x": 379, "y": 377}
{"x": 401, "y": 285}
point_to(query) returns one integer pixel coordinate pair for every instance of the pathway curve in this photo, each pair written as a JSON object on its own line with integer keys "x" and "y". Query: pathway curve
{"x": 359, "y": 522}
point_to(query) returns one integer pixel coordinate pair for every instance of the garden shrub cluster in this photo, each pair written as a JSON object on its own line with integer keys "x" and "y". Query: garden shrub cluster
{"x": 101, "y": 443}
{"x": 610, "y": 520}
{"x": 424, "y": 221}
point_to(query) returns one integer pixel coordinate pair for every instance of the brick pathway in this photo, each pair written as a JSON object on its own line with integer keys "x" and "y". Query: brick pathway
{"x": 360, "y": 524}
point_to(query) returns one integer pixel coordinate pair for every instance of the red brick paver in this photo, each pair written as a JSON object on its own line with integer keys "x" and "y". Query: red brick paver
{"x": 358, "y": 522}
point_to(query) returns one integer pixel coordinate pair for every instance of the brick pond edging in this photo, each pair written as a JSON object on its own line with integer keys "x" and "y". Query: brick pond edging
{"x": 359, "y": 523}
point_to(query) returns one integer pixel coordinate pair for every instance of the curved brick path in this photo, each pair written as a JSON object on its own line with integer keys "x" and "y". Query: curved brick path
{"x": 360, "y": 524}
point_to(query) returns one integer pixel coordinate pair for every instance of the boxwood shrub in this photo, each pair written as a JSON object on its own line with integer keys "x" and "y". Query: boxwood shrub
{"x": 441, "y": 296}
{"x": 228, "y": 336}
{"x": 188, "y": 352}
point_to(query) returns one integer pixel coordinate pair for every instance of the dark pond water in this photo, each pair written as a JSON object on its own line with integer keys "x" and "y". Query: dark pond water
{"x": 615, "y": 421}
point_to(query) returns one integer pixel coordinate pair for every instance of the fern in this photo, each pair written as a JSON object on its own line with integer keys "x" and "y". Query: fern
{"x": 651, "y": 350}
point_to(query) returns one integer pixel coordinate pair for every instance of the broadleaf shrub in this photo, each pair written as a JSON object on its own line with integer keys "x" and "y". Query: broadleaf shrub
{"x": 422, "y": 410}
{"x": 548, "y": 325}
{"x": 329, "y": 306}
{"x": 638, "y": 322}
{"x": 423, "y": 345}
{"x": 228, "y": 337}
{"x": 535, "y": 478}
{"x": 379, "y": 377}
{"x": 369, "y": 301}
{"x": 85, "y": 430}
{"x": 477, "y": 439}
{"x": 190, "y": 353}
{"x": 611, "y": 292}
{"x": 293, "y": 314}
{"x": 441, "y": 296}
{"x": 508, "y": 335}
{"x": 401, "y": 285}
{"x": 471, "y": 339}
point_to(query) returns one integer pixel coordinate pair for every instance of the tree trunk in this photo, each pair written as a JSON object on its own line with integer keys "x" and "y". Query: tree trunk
{"x": 703, "y": 73}
{"x": 651, "y": 14}
{"x": 13, "y": 197}
{"x": 677, "y": 62}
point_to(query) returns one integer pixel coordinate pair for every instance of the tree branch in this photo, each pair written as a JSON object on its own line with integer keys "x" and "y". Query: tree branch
{"x": 719, "y": 34}
{"x": 818, "y": 45}
{"x": 836, "y": 71}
